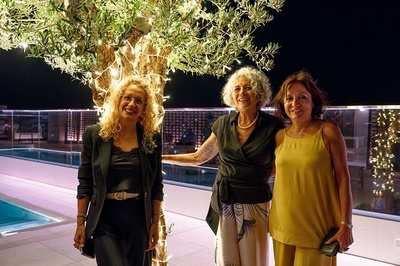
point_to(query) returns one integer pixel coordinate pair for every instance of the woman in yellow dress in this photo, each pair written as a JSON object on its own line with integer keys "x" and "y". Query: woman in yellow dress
{"x": 312, "y": 184}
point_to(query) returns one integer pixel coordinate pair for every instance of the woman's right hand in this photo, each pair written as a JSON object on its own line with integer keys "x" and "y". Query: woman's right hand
{"x": 80, "y": 234}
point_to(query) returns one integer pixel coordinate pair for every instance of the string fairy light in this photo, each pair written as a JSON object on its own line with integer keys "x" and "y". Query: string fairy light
{"x": 383, "y": 171}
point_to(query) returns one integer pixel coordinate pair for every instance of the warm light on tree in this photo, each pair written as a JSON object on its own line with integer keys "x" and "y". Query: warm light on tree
{"x": 99, "y": 42}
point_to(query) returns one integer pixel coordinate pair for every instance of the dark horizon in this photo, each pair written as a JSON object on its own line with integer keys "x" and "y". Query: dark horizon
{"x": 350, "y": 48}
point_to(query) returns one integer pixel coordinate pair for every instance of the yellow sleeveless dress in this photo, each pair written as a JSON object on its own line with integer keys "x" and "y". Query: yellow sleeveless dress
{"x": 305, "y": 202}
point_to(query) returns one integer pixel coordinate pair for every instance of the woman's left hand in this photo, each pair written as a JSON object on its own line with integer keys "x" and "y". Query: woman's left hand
{"x": 153, "y": 236}
{"x": 345, "y": 238}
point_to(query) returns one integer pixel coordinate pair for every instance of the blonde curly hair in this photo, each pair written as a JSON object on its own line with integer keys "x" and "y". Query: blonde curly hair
{"x": 110, "y": 119}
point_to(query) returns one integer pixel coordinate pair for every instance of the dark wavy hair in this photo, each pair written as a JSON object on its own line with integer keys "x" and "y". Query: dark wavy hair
{"x": 319, "y": 97}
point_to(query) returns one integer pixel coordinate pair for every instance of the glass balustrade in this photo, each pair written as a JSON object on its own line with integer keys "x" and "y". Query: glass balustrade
{"x": 371, "y": 133}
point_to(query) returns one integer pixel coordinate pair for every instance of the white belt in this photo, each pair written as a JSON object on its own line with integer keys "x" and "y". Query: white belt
{"x": 122, "y": 195}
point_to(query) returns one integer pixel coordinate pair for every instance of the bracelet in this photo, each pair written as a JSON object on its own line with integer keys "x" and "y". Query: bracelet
{"x": 81, "y": 215}
{"x": 350, "y": 226}
{"x": 158, "y": 214}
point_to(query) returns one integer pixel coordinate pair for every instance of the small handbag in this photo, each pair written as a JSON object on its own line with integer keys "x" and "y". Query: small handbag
{"x": 88, "y": 249}
{"x": 330, "y": 249}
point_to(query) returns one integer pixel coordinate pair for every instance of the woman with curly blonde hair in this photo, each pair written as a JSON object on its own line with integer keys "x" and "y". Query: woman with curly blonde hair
{"x": 110, "y": 120}
{"x": 120, "y": 183}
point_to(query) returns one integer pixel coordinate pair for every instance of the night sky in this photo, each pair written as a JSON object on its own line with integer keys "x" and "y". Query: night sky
{"x": 350, "y": 47}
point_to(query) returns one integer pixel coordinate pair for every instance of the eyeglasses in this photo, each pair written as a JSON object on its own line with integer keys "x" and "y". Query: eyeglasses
{"x": 136, "y": 100}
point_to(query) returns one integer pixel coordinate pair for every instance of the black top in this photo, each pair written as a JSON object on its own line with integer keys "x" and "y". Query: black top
{"x": 243, "y": 171}
{"x": 125, "y": 171}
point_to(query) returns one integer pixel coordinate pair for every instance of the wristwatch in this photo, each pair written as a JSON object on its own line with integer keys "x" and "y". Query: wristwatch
{"x": 350, "y": 226}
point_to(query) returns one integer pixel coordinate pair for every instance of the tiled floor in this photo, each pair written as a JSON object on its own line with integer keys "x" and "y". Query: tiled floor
{"x": 189, "y": 243}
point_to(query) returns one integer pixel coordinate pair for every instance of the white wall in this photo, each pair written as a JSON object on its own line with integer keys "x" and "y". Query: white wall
{"x": 375, "y": 238}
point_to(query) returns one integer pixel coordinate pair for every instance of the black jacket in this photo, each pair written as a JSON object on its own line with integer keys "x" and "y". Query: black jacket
{"x": 93, "y": 173}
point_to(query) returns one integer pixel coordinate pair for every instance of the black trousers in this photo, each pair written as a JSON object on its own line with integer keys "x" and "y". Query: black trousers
{"x": 121, "y": 235}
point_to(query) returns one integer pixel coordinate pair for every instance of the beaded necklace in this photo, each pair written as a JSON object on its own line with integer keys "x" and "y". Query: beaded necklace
{"x": 251, "y": 124}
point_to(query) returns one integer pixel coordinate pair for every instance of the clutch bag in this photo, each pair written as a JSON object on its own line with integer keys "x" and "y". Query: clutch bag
{"x": 88, "y": 249}
{"x": 330, "y": 249}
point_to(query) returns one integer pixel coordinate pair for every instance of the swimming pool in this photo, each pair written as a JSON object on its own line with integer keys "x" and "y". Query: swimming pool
{"x": 14, "y": 218}
{"x": 64, "y": 158}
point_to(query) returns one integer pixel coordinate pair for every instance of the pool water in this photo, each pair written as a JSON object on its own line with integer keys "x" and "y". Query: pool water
{"x": 44, "y": 155}
{"x": 13, "y": 218}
